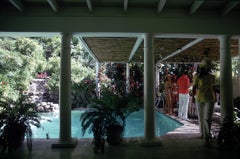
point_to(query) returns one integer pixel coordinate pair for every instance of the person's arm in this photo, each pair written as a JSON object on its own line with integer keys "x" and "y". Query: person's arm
{"x": 188, "y": 83}
{"x": 214, "y": 91}
{"x": 194, "y": 90}
{"x": 214, "y": 95}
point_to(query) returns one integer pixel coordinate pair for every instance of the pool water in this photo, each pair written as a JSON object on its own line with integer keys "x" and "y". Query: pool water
{"x": 134, "y": 125}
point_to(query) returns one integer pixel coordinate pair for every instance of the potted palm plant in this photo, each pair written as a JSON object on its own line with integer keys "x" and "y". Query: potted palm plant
{"x": 93, "y": 121}
{"x": 106, "y": 116}
{"x": 16, "y": 118}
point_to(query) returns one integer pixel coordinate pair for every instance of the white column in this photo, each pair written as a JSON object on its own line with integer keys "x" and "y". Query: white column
{"x": 226, "y": 96}
{"x": 149, "y": 111}
{"x": 97, "y": 80}
{"x": 127, "y": 78}
{"x": 157, "y": 70}
{"x": 65, "y": 139}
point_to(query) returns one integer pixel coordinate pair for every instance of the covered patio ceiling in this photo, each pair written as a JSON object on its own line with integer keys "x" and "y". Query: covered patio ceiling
{"x": 167, "y": 48}
{"x": 112, "y": 30}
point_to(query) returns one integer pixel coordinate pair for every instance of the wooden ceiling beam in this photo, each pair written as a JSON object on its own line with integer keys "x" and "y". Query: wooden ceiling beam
{"x": 161, "y": 4}
{"x": 125, "y": 5}
{"x": 87, "y": 48}
{"x": 230, "y": 5}
{"x": 195, "y": 6}
{"x": 178, "y": 51}
{"x": 53, "y": 4}
{"x": 17, "y": 4}
{"x": 89, "y": 5}
{"x": 135, "y": 47}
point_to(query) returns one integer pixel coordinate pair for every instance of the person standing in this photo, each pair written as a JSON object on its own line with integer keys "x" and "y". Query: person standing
{"x": 175, "y": 92}
{"x": 203, "y": 87}
{"x": 168, "y": 87}
{"x": 183, "y": 84}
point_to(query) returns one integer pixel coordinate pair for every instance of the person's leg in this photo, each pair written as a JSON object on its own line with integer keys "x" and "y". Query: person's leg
{"x": 200, "y": 107}
{"x": 170, "y": 110}
{"x": 185, "y": 106}
{"x": 180, "y": 105}
{"x": 168, "y": 100}
{"x": 208, "y": 111}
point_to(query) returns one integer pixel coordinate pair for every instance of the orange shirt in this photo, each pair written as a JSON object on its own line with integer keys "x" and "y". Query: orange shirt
{"x": 183, "y": 83}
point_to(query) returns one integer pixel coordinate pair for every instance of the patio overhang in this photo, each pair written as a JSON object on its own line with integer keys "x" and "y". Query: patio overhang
{"x": 111, "y": 30}
{"x": 168, "y": 48}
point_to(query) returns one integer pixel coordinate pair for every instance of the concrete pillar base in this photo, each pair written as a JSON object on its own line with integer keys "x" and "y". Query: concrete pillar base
{"x": 150, "y": 143}
{"x": 71, "y": 144}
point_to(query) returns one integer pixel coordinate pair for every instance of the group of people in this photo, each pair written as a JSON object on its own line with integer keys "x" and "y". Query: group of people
{"x": 177, "y": 91}
{"x": 203, "y": 94}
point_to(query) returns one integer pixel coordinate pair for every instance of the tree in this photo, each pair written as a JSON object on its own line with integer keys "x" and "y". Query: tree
{"x": 20, "y": 59}
{"x": 23, "y": 58}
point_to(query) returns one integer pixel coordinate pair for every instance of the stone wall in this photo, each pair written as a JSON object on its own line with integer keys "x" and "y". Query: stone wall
{"x": 47, "y": 100}
{"x": 40, "y": 94}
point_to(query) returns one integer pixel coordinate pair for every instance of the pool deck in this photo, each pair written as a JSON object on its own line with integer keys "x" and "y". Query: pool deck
{"x": 182, "y": 143}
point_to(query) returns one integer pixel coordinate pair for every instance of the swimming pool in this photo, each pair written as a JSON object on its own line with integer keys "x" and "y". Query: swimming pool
{"x": 134, "y": 125}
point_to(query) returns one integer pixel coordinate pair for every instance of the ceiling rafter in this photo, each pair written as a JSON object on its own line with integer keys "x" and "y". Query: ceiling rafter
{"x": 108, "y": 34}
{"x": 118, "y": 35}
{"x": 17, "y": 4}
{"x": 135, "y": 47}
{"x": 195, "y": 6}
{"x": 89, "y": 5}
{"x": 230, "y": 5}
{"x": 161, "y": 4}
{"x": 125, "y": 5}
{"x": 53, "y": 4}
{"x": 87, "y": 48}
{"x": 178, "y": 51}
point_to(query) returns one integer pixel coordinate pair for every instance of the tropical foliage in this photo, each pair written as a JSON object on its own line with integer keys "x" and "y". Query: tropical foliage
{"x": 236, "y": 67}
{"x": 108, "y": 111}
{"x": 22, "y": 58}
{"x": 18, "y": 64}
{"x": 16, "y": 118}
{"x": 116, "y": 74}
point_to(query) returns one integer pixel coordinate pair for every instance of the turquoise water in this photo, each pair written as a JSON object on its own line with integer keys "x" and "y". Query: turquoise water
{"x": 134, "y": 125}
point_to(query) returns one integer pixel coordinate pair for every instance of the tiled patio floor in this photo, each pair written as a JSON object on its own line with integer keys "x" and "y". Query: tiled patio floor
{"x": 183, "y": 143}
